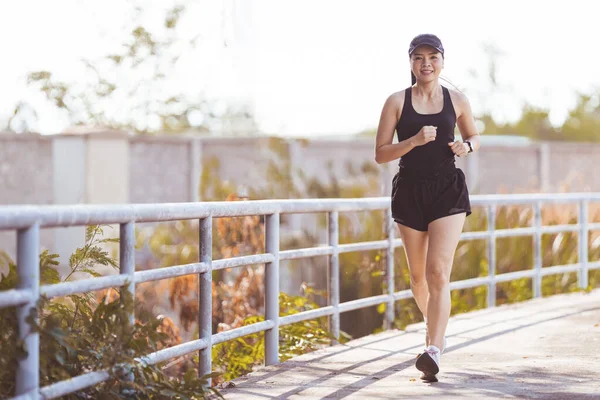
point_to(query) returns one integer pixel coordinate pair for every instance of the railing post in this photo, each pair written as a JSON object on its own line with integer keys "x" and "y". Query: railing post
{"x": 127, "y": 261}
{"x": 28, "y": 373}
{"x": 537, "y": 248}
{"x": 491, "y": 295}
{"x": 272, "y": 289}
{"x": 389, "y": 270}
{"x": 583, "y": 244}
{"x": 127, "y": 267}
{"x": 334, "y": 274}
{"x": 205, "y": 297}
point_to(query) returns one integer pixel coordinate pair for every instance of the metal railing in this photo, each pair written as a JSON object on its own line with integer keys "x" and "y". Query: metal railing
{"x": 27, "y": 221}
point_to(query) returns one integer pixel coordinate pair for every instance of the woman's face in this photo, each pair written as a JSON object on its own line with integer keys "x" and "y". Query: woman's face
{"x": 426, "y": 63}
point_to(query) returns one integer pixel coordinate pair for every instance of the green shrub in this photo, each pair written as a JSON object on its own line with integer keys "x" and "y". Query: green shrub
{"x": 84, "y": 332}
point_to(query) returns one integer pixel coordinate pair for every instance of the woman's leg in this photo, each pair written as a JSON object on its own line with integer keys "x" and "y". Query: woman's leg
{"x": 415, "y": 247}
{"x": 444, "y": 235}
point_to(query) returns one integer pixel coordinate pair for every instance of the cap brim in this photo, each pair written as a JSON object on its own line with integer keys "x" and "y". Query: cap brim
{"x": 426, "y": 43}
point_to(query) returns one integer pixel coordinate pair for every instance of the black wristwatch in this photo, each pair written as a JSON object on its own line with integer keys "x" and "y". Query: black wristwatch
{"x": 470, "y": 146}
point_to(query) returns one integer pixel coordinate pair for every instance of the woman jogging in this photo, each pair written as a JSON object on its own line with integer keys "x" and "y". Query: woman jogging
{"x": 429, "y": 199}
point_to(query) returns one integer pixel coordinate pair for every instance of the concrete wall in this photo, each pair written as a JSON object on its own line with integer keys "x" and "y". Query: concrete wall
{"x": 158, "y": 170}
{"x": 26, "y": 169}
{"x": 117, "y": 167}
{"x": 574, "y": 167}
{"x": 69, "y": 187}
{"x": 502, "y": 169}
{"x": 26, "y": 177}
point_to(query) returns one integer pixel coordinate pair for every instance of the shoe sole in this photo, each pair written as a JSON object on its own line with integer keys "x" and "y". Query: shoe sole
{"x": 428, "y": 378}
{"x": 427, "y": 365}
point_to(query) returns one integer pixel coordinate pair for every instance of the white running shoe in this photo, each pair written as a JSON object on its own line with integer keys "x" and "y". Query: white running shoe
{"x": 428, "y": 363}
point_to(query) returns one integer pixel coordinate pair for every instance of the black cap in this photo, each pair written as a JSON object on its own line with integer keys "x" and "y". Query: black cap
{"x": 426, "y": 39}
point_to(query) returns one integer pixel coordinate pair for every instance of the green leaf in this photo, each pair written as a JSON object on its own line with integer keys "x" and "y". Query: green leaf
{"x": 49, "y": 275}
{"x": 90, "y": 232}
{"x": 91, "y": 272}
{"x": 110, "y": 240}
{"x": 10, "y": 278}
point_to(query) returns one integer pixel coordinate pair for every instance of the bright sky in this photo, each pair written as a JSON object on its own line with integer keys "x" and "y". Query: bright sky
{"x": 319, "y": 67}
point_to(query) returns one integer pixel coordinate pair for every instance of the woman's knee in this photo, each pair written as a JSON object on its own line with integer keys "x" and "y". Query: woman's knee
{"x": 418, "y": 279}
{"x": 438, "y": 274}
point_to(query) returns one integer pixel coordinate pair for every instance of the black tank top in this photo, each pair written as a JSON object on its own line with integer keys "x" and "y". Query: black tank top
{"x": 436, "y": 155}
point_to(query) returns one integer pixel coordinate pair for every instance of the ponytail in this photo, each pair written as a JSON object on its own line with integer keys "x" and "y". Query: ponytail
{"x": 448, "y": 81}
{"x": 413, "y": 78}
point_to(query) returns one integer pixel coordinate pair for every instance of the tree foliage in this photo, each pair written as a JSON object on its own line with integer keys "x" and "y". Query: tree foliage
{"x": 134, "y": 87}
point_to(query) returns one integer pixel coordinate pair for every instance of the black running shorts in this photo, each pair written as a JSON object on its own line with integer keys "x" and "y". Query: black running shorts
{"x": 417, "y": 201}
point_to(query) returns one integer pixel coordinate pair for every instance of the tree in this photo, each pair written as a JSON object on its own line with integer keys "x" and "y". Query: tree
{"x": 134, "y": 87}
{"x": 583, "y": 122}
{"x": 534, "y": 123}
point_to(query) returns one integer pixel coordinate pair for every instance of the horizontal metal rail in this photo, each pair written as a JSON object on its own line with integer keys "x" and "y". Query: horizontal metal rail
{"x": 241, "y": 261}
{"x": 170, "y": 272}
{"x": 174, "y": 351}
{"x": 403, "y": 294}
{"x": 470, "y": 283}
{"x": 74, "y": 384}
{"x": 15, "y": 297}
{"x": 363, "y": 246}
{"x": 242, "y": 331}
{"x": 19, "y": 217}
{"x": 363, "y": 303}
{"x": 84, "y": 285}
{"x": 306, "y": 315}
{"x": 305, "y": 253}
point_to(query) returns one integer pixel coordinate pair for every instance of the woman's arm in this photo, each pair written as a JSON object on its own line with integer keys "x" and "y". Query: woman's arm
{"x": 466, "y": 122}
{"x": 385, "y": 151}
{"x": 466, "y": 125}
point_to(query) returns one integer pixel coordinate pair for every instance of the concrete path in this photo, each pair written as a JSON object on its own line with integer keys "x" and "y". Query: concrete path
{"x": 541, "y": 349}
